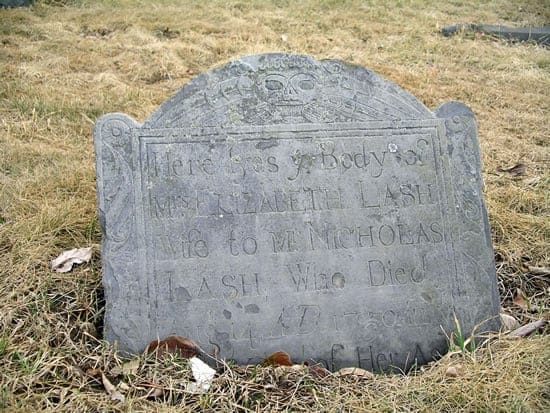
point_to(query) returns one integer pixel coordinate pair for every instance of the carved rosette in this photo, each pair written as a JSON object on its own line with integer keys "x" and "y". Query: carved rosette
{"x": 117, "y": 218}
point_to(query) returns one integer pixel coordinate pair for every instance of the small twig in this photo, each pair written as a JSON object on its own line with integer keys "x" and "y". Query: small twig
{"x": 527, "y": 329}
{"x": 151, "y": 385}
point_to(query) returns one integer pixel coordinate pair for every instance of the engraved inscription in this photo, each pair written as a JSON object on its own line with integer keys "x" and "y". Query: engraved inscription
{"x": 187, "y": 245}
{"x": 211, "y": 286}
{"x": 305, "y": 277}
{"x": 279, "y": 242}
{"x": 384, "y": 273}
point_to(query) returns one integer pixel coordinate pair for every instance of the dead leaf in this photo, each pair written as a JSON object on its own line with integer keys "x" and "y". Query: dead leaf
{"x": 279, "y": 358}
{"x": 527, "y": 329}
{"x": 130, "y": 367}
{"x": 516, "y": 170}
{"x": 282, "y": 373}
{"x": 285, "y": 373}
{"x": 174, "y": 344}
{"x": 520, "y": 300}
{"x": 509, "y": 322}
{"x": 532, "y": 181}
{"x": 203, "y": 374}
{"x": 93, "y": 372}
{"x": 354, "y": 371}
{"x": 454, "y": 371}
{"x": 111, "y": 389}
{"x": 123, "y": 386}
{"x": 318, "y": 371}
{"x": 65, "y": 261}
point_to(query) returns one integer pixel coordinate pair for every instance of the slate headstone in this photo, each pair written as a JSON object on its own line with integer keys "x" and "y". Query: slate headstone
{"x": 15, "y": 3}
{"x": 285, "y": 203}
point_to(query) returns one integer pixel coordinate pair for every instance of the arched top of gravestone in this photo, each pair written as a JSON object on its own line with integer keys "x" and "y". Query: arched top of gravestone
{"x": 280, "y": 88}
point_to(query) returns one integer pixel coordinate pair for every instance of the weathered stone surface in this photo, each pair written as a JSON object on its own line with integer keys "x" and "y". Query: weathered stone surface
{"x": 15, "y": 3}
{"x": 285, "y": 203}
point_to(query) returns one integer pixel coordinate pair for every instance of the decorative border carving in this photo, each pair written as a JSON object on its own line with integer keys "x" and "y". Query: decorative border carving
{"x": 475, "y": 263}
{"x": 286, "y": 89}
{"x": 114, "y": 148}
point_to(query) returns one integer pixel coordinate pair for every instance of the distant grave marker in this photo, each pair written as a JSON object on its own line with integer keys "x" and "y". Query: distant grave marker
{"x": 15, "y": 3}
{"x": 285, "y": 203}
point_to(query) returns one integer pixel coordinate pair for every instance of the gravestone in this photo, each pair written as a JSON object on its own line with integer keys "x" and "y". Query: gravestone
{"x": 285, "y": 203}
{"x": 15, "y": 3}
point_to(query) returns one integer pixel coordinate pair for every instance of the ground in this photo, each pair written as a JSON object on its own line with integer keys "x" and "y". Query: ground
{"x": 64, "y": 63}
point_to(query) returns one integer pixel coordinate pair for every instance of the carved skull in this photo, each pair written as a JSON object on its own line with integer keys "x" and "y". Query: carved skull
{"x": 279, "y": 89}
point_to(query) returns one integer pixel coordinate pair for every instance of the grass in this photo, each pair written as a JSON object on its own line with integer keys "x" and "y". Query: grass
{"x": 63, "y": 63}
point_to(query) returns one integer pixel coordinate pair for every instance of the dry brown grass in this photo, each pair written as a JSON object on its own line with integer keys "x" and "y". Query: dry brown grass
{"x": 63, "y": 63}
